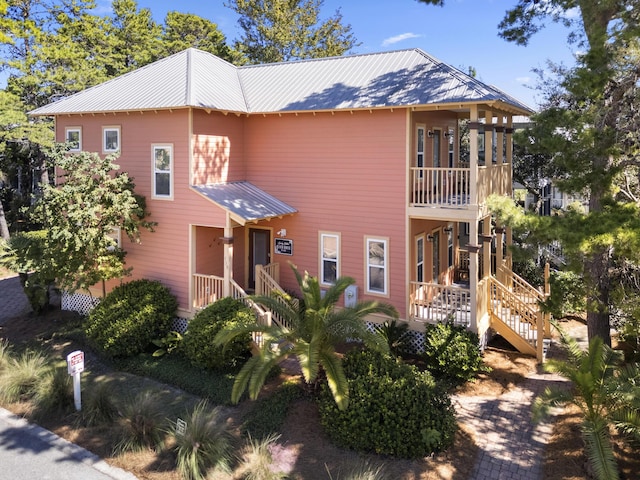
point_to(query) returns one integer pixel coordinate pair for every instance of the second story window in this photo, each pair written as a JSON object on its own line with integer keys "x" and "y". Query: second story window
{"x": 110, "y": 139}
{"x": 329, "y": 257}
{"x": 162, "y": 171}
{"x": 436, "y": 148}
{"x": 73, "y": 136}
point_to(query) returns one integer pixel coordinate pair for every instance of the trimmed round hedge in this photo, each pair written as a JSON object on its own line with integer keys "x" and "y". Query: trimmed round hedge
{"x": 197, "y": 344}
{"x": 452, "y": 353}
{"x": 394, "y": 409}
{"x": 130, "y": 317}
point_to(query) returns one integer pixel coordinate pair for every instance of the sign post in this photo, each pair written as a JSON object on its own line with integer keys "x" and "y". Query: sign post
{"x": 75, "y": 366}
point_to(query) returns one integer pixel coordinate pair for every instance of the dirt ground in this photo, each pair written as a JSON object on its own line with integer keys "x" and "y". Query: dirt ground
{"x": 305, "y": 450}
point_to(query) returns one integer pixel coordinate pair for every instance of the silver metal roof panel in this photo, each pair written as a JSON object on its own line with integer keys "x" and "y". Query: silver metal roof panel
{"x": 194, "y": 78}
{"x": 245, "y": 201}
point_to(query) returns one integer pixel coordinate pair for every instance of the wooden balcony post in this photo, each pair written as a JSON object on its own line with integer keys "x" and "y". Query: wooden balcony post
{"x": 473, "y": 275}
{"x": 227, "y": 240}
{"x": 473, "y": 155}
{"x": 486, "y": 246}
{"x": 509, "y": 151}
{"x": 547, "y": 292}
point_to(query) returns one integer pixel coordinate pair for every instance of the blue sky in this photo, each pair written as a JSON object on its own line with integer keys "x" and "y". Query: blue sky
{"x": 463, "y": 33}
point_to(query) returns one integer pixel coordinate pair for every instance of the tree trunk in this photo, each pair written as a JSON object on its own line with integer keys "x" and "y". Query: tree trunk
{"x": 597, "y": 269}
{"x": 4, "y": 229}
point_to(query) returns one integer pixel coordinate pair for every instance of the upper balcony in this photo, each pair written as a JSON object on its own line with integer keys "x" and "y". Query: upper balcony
{"x": 455, "y": 187}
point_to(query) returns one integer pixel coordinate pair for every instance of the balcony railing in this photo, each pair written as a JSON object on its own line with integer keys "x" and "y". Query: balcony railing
{"x": 451, "y": 187}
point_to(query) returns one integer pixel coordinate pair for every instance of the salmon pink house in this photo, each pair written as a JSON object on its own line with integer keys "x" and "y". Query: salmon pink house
{"x": 373, "y": 166}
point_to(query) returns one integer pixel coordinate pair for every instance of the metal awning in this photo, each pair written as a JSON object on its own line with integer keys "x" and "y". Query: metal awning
{"x": 245, "y": 202}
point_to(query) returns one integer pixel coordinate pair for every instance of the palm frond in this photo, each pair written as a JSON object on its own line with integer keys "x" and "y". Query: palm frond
{"x": 243, "y": 377}
{"x": 336, "y": 378}
{"x": 308, "y": 355}
{"x": 599, "y": 450}
{"x": 551, "y": 397}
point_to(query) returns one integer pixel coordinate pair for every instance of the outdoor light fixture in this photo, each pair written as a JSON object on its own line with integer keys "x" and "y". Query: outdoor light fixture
{"x": 448, "y": 229}
{"x": 429, "y": 238}
{"x": 430, "y": 133}
{"x": 448, "y": 133}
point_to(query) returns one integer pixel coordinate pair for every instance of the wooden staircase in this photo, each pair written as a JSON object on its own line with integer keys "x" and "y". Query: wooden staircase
{"x": 515, "y": 313}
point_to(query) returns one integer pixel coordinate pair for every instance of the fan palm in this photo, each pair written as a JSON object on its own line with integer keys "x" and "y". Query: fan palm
{"x": 311, "y": 330}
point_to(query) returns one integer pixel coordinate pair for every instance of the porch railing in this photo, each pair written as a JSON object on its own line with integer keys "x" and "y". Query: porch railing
{"x": 266, "y": 285}
{"x": 432, "y": 303}
{"x": 206, "y": 289}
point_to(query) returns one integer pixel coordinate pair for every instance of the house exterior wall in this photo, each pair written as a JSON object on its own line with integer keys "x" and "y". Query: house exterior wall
{"x": 344, "y": 173}
{"x": 162, "y": 255}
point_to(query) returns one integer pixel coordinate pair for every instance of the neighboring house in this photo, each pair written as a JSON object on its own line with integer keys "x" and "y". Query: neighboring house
{"x": 345, "y": 166}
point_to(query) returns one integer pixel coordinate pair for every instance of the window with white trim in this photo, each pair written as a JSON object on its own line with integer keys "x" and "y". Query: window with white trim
{"x": 450, "y": 245}
{"x": 420, "y": 258}
{"x": 73, "y": 136}
{"x": 115, "y": 234}
{"x": 436, "y": 135}
{"x": 377, "y": 265}
{"x": 329, "y": 258}
{"x": 110, "y": 139}
{"x": 420, "y": 133}
{"x": 162, "y": 171}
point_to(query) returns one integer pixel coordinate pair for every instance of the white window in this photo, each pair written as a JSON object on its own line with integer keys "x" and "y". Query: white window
{"x": 449, "y": 231}
{"x": 377, "y": 265}
{"x": 329, "y": 258}
{"x": 73, "y": 136}
{"x": 420, "y": 133}
{"x": 436, "y": 148}
{"x": 110, "y": 139}
{"x": 162, "y": 171}
{"x": 420, "y": 258}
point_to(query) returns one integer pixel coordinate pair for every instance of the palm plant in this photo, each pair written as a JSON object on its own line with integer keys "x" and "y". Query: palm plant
{"x": 312, "y": 329}
{"x": 594, "y": 374}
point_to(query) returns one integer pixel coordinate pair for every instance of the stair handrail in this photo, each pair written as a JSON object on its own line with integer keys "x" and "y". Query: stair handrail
{"x": 266, "y": 285}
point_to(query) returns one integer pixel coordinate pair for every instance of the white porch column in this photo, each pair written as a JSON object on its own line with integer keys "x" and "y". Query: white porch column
{"x": 473, "y": 156}
{"x": 488, "y": 153}
{"x": 486, "y": 246}
{"x": 228, "y": 257}
{"x": 509, "y": 152}
{"x": 473, "y": 249}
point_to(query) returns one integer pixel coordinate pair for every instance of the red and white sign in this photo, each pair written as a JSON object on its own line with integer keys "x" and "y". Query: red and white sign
{"x": 75, "y": 362}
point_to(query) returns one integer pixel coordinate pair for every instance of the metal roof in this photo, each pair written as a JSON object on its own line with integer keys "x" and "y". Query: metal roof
{"x": 244, "y": 201}
{"x": 193, "y": 78}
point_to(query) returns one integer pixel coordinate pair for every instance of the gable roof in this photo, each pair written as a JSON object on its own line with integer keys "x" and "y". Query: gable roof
{"x": 193, "y": 78}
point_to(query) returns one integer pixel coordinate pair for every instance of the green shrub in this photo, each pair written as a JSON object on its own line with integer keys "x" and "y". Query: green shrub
{"x": 198, "y": 339}
{"x": 394, "y": 409}
{"x": 452, "y": 353}
{"x": 21, "y": 376}
{"x": 205, "y": 443}
{"x": 54, "y": 393}
{"x": 98, "y": 406}
{"x": 129, "y": 318}
{"x": 142, "y": 422}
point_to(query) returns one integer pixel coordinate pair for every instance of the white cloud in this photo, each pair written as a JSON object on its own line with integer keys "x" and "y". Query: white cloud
{"x": 523, "y": 80}
{"x": 399, "y": 38}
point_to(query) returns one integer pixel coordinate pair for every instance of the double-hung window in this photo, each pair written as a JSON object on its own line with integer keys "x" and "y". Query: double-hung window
{"x": 110, "y": 139}
{"x": 377, "y": 265}
{"x": 73, "y": 136}
{"x": 329, "y": 258}
{"x": 162, "y": 171}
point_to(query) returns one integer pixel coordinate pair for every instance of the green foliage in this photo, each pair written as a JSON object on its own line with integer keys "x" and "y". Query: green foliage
{"x": 284, "y": 30}
{"x": 593, "y": 376}
{"x": 22, "y": 375}
{"x": 452, "y": 352}
{"x": 394, "y": 409}
{"x": 205, "y": 444}
{"x": 79, "y": 214}
{"x": 98, "y": 406}
{"x": 127, "y": 320}
{"x": 54, "y": 393}
{"x": 184, "y": 30}
{"x": 269, "y": 413}
{"x": 199, "y": 346}
{"x": 311, "y": 331}
{"x": 395, "y": 335}
{"x": 142, "y": 423}
{"x": 177, "y": 370}
{"x": 568, "y": 294}
{"x": 257, "y": 461}
{"x": 168, "y": 344}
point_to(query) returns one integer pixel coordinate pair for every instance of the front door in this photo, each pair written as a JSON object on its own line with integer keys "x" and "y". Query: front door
{"x": 436, "y": 257}
{"x": 259, "y": 252}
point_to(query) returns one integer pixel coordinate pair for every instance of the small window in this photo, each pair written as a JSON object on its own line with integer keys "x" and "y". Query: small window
{"x": 163, "y": 171}
{"x": 329, "y": 258}
{"x": 449, "y": 231}
{"x": 377, "y": 265}
{"x": 436, "y": 148}
{"x": 73, "y": 136}
{"x": 110, "y": 139}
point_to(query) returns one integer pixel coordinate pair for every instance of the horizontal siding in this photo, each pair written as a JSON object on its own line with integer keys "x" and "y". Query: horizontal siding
{"x": 344, "y": 173}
